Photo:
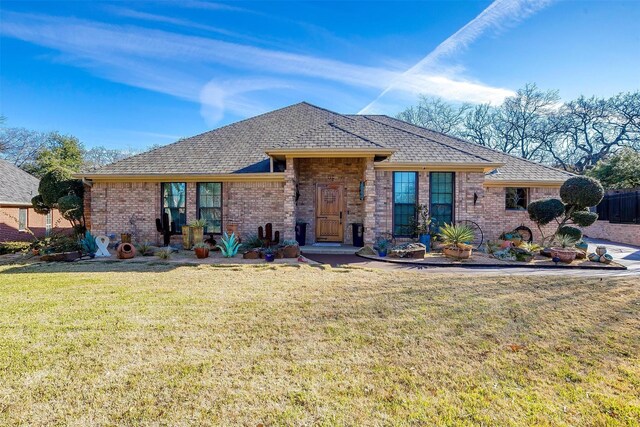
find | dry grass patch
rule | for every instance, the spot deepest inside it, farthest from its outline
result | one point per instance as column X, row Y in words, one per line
column 141, row 344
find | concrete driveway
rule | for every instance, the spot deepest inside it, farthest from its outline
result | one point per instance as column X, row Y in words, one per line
column 627, row 255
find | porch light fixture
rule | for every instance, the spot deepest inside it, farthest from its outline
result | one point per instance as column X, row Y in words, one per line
column 361, row 190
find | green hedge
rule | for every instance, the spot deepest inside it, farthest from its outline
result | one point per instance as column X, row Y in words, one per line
column 13, row 247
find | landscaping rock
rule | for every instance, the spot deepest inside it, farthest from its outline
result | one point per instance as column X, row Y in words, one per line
column 366, row 250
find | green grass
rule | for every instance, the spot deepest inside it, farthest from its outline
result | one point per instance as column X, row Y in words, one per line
column 154, row 344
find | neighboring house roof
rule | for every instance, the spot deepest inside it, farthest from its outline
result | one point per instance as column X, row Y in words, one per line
column 242, row 147
column 18, row 187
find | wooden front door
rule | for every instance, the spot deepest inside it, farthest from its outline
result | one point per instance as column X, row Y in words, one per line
column 329, row 213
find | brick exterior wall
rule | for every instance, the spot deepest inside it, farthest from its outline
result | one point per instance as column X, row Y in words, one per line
column 252, row 204
column 348, row 171
column 35, row 222
column 622, row 233
column 247, row 204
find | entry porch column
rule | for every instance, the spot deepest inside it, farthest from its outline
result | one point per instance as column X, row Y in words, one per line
column 289, row 232
column 369, row 203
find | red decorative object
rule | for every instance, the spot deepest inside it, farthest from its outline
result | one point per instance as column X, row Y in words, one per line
column 201, row 253
column 126, row 251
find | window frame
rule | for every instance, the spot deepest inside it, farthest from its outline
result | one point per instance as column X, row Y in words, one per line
column 162, row 207
column 526, row 198
column 198, row 207
column 48, row 223
column 453, row 195
column 23, row 225
column 393, row 201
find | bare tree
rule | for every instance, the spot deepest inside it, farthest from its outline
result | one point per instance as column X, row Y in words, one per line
column 100, row 156
column 436, row 114
column 21, row 146
column 478, row 126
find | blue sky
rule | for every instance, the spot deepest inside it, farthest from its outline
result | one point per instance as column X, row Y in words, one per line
column 131, row 74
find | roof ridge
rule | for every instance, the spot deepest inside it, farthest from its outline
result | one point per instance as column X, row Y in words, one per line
column 429, row 139
column 478, row 145
column 356, row 135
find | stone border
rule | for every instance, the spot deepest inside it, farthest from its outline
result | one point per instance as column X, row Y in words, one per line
column 496, row 265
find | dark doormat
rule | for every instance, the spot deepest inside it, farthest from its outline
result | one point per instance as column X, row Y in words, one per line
column 336, row 259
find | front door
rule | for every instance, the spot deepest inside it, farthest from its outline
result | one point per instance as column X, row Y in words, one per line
column 329, row 213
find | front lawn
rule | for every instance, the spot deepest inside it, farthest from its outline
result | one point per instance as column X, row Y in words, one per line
column 154, row 344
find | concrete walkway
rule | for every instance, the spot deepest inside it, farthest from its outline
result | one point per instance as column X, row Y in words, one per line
column 626, row 255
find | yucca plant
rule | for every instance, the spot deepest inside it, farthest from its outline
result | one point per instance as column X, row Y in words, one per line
column 229, row 245
column 456, row 236
column 565, row 241
column 88, row 244
column 198, row 223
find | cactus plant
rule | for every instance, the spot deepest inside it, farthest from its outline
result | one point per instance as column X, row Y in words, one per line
column 165, row 227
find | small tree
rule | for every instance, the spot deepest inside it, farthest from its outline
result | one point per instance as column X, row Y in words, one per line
column 577, row 195
column 59, row 190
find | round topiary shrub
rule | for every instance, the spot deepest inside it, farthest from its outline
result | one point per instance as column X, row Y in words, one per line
column 545, row 210
column 584, row 218
column 573, row 232
column 50, row 187
column 70, row 207
column 581, row 191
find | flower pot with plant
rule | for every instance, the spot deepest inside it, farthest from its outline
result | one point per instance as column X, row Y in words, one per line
column 456, row 239
column 382, row 246
column 202, row 250
column 564, row 248
column 269, row 255
column 197, row 230
column 422, row 225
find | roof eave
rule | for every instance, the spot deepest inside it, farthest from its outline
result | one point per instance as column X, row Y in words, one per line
column 220, row 177
column 327, row 153
column 439, row 166
column 547, row 183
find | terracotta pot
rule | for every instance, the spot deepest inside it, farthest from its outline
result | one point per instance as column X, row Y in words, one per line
column 291, row 251
column 125, row 251
column 457, row 252
column 202, row 252
column 566, row 255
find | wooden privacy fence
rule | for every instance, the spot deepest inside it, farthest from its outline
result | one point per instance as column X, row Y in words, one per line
column 620, row 207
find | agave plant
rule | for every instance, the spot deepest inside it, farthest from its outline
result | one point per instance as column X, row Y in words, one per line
column 229, row 245
column 565, row 241
column 458, row 236
column 88, row 243
column 198, row 223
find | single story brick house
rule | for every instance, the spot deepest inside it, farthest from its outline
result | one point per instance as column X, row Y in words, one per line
column 307, row 164
column 17, row 215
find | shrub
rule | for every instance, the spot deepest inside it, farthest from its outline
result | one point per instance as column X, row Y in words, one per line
column 88, row 244
column 163, row 253
column 57, row 243
column 581, row 191
column 584, row 218
column 456, row 235
column 544, row 211
column 573, row 232
column 145, row 249
column 13, row 247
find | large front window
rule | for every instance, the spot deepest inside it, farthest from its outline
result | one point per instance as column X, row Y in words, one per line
column 210, row 205
column 174, row 201
column 404, row 202
column 441, row 187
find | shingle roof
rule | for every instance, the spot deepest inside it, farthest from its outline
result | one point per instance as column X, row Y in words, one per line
column 241, row 147
column 18, row 187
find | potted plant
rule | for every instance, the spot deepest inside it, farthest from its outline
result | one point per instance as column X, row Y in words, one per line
column 202, row 250
column 526, row 252
column 269, row 255
column 456, row 240
column 422, row 226
column 564, row 248
column 290, row 249
column 197, row 230
column 382, row 246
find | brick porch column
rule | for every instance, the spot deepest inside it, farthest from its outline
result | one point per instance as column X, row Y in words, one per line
column 369, row 202
column 289, row 232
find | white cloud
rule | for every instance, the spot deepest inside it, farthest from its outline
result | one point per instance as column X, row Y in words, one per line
column 426, row 76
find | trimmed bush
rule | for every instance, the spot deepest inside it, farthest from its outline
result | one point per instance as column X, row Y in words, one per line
column 584, row 218
column 581, row 191
column 573, row 232
column 13, row 247
column 545, row 210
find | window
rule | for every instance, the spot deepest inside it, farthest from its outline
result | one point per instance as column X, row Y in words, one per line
column 174, row 202
column 22, row 219
column 404, row 202
column 210, row 205
column 48, row 223
column 441, row 188
column 515, row 198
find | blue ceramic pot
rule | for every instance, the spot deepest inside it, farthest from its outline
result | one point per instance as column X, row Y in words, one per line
column 382, row 253
column 269, row 257
column 425, row 239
